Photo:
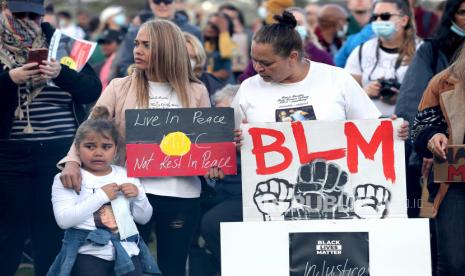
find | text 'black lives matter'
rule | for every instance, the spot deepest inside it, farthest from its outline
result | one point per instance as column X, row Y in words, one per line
column 331, row 253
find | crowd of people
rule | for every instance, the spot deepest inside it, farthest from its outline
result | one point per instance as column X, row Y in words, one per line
column 63, row 184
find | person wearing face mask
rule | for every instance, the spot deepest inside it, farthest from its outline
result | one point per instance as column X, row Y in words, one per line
column 37, row 124
column 379, row 64
column 113, row 18
column 332, row 27
column 198, row 58
column 313, row 50
column 66, row 25
column 432, row 57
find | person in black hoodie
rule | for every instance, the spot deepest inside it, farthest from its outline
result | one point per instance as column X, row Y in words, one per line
column 37, row 126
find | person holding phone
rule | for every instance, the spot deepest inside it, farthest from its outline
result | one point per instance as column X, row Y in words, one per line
column 37, row 125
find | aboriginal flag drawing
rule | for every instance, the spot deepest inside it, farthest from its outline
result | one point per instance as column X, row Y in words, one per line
column 179, row 142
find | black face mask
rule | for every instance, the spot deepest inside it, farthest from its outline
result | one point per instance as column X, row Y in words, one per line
column 210, row 38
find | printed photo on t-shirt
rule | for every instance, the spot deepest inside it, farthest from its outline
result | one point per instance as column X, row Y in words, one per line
column 105, row 219
column 301, row 113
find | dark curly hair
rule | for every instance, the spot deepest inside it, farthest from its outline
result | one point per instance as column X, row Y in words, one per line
column 282, row 35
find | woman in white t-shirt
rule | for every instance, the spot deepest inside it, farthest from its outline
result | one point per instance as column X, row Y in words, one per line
column 288, row 85
column 163, row 78
column 379, row 64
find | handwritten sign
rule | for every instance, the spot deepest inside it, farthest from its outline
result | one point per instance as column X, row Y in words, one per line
column 323, row 170
column 179, row 142
column 453, row 168
column 323, row 253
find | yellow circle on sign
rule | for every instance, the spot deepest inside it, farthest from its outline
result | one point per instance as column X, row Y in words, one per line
column 68, row 61
column 175, row 144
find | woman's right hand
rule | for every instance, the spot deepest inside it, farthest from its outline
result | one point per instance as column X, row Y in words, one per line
column 438, row 145
column 71, row 176
column 25, row 73
column 372, row 89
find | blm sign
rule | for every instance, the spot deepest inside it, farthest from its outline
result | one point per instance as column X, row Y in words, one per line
column 179, row 142
column 338, row 253
column 452, row 169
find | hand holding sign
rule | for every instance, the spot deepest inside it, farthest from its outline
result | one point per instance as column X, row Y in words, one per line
column 438, row 145
column 273, row 197
column 372, row 200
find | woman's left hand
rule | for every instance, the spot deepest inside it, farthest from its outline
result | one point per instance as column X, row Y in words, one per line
column 403, row 131
column 50, row 69
column 214, row 173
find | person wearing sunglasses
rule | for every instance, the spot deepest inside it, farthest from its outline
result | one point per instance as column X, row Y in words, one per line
column 37, row 124
column 379, row 64
column 161, row 9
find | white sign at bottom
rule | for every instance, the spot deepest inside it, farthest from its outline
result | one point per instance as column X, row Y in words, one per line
column 326, row 248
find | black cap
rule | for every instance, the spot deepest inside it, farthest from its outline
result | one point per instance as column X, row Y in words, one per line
column 110, row 36
column 35, row 6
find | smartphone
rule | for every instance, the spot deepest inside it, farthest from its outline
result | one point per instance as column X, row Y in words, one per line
column 37, row 55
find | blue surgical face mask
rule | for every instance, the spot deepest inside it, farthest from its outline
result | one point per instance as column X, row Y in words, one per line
column 302, row 32
column 457, row 30
column 120, row 20
column 384, row 29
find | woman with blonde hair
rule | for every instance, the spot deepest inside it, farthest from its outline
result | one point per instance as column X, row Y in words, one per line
column 162, row 78
column 440, row 122
column 379, row 65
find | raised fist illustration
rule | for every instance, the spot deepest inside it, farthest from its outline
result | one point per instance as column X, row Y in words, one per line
column 273, row 198
column 319, row 192
column 371, row 201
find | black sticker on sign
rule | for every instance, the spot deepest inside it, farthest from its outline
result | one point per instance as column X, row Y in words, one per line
column 334, row 254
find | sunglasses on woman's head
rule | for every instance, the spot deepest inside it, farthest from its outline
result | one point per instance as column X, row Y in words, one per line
column 166, row 2
column 385, row 16
column 23, row 15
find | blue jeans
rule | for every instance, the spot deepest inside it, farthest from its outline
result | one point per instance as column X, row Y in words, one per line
column 450, row 228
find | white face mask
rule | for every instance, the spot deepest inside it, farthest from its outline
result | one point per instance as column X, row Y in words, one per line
column 193, row 63
column 262, row 12
column 342, row 33
column 123, row 217
column 302, row 32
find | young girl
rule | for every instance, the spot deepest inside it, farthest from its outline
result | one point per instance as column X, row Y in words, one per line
column 101, row 237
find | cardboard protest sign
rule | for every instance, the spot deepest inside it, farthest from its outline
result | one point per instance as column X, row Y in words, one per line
column 179, row 142
column 323, row 253
column 323, row 170
column 453, row 168
column 341, row 247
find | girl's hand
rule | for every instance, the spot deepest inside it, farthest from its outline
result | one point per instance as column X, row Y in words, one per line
column 25, row 73
column 438, row 145
column 111, row 190
column 71, row 176
column 50, row 69
column 129, row 190
column 403, row 131
column 372, row 89
column 214, row 174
